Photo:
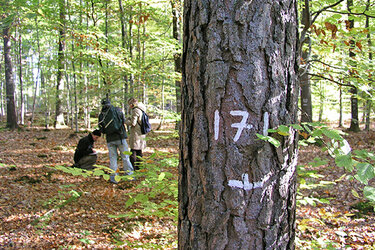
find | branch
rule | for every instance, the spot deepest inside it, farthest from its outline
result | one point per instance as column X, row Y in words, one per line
column 324, row 9
column 326, row 78
column 326, row 64
column 351, row 13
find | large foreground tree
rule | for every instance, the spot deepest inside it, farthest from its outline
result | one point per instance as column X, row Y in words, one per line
column 238, row 79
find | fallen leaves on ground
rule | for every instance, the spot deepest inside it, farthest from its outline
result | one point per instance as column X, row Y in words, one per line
column 43, row 208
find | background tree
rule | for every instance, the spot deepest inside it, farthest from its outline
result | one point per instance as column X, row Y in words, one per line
column 59, row 116
column 239, row 78
column 6, row 24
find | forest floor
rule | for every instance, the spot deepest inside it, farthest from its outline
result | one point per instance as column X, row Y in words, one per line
column 39, row 208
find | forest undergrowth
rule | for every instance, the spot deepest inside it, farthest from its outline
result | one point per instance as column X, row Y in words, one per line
column 42, row 207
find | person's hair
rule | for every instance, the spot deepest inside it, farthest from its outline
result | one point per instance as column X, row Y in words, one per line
column 106, row 102
column 97, row 132
column 132, row 101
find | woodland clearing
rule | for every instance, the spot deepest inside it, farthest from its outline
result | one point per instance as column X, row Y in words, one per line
column 39, row 209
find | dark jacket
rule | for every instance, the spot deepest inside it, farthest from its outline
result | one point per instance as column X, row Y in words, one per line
column 85, row 147
column 120, row 135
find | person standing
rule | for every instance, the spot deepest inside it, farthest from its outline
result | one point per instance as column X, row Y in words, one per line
column 85, row 156
column 111, row 123
column 137, row 141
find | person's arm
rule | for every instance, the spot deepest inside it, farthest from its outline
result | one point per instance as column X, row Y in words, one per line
column 134, row 118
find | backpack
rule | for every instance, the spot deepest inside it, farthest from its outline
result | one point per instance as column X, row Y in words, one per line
column 111, row 122
column 145, row 124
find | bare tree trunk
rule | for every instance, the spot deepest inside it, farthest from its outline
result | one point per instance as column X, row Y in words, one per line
column 22, row 101
column 354, row 122
column 2, row 112
column 321, row 103
column 239, row 78
column 39, row 74
column 124, row 46
column 9, row 82
column 306, row 103
column 369, row 42
column 59, row 116
column 176, row 23
column 341, row 107
column 130, row 47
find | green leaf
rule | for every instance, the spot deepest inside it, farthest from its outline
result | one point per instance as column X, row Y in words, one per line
column 297, row 126
column 333, row 134
column 336, row 16
column 161, row 176
column 117, row 216
column 365, row 172
column 369, row 193
column 283, row 130
column 270, row 139
column 345, row 161
column 355, row 194
column 117, row 178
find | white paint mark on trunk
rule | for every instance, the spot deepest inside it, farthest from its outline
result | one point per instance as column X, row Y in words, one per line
column 216, row 124
column 245, row 184
column 266, row 122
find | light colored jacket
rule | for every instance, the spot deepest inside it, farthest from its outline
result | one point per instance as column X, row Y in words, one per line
column 136, row 139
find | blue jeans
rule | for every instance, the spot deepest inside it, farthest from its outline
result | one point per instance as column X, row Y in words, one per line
column 121, row 145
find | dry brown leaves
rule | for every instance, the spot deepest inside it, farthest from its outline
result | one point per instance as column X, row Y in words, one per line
column 31, row 192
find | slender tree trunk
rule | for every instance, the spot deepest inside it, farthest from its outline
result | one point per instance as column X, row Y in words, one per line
column 144, row 82
column 176, row 23
column 2, row 112
column 59, row 115
column 239, row 78
column 38, row 74
column 369, row 42
column 22, row 101
column 9, row 82
column 321, row 102
column 341, row 107
column 306, row 104
column 354, row 122
column 124, row 47
column 130, row 44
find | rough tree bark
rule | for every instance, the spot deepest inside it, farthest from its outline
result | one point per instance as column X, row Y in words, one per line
column 9, row 81
column 239, row 78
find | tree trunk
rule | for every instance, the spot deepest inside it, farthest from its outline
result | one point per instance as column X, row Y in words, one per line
column 22, row 101
column 2, row 112
column 354, row 122
column 9, row 82
column 369, row 42
column 176, row 5
column 59, row 116
column 130, row 47
column 239, row 78
column 39, row 74
column 321, row 102
column 341, row 107
column 124, row 46
column 306, row 104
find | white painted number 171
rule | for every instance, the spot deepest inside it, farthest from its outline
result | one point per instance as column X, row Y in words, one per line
column 240, row 126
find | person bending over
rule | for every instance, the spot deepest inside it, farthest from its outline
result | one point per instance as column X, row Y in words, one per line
column 85, row 156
